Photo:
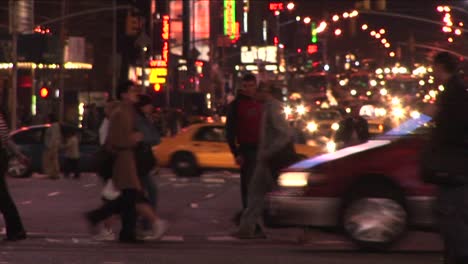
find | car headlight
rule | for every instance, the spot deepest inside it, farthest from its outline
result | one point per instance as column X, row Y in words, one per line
column 293, row 179
column 398, row 112
column 287, row 110
column 331, row 146
column 335, row 126
column 300, row 110
column 312, row 126
column 415, row 114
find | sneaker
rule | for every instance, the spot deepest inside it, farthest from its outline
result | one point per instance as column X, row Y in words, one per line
column 105, row 235
column 159, row 229
column 144, row 233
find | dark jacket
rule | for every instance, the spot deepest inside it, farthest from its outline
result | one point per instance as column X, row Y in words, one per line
column 348, row 126
column 242, row 131
column 451, row 118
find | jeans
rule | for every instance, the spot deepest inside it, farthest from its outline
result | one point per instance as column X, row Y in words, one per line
column 249, row 154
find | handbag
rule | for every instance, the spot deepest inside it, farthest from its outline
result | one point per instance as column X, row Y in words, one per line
column 283, row 158
column 444, row 165
column 109, row 191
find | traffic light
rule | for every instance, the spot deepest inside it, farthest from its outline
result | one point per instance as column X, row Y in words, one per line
column 312, row 48
column 44, row 92
column 313, row 32
column 132, row 24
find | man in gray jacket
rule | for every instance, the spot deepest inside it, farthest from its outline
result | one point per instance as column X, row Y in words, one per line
column 275, row 135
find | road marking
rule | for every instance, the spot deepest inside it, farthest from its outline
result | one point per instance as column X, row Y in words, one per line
column 221, row 238
column 331, row 242
column 210, row 195
column 180, row 185
column 52, row 240
column 173, row 238
column 213, row 185
column 53, row 194
column 89, row 185
column 211, row 180
column 26, row 202
column 194, row 205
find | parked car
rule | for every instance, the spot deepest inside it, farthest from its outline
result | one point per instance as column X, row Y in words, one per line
column 204, row 146
column 30, row 141
column 373, row 191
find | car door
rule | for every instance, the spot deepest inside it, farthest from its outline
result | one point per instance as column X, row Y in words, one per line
column 211, row 148
column 30, row 142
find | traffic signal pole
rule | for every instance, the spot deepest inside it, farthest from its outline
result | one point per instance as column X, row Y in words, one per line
column 14, row 77
column 62, row 65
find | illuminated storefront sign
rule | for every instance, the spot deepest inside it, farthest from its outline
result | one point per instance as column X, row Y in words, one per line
column 253, row 54
column 157, row 72
column 230, row 27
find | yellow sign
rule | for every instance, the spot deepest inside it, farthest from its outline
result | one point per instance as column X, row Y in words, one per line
column 158, row 75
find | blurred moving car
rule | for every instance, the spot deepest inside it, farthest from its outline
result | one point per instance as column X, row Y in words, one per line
column 324, row 122
column 30, row 141
column 204, row 146
column 373, row 191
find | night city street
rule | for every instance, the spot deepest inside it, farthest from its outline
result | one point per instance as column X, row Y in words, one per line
column 276, row 131
column 199, row 211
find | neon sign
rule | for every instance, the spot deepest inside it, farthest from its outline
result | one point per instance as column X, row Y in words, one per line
column 276, row 6
column 230, row 28
column 165, row 37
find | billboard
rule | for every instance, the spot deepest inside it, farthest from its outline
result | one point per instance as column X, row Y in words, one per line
column 253, row 54
column 199, row 27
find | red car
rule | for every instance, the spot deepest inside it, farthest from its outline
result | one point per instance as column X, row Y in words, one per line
column 373, row 191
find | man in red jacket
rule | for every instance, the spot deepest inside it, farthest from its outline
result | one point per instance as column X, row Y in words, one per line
column 243, row 121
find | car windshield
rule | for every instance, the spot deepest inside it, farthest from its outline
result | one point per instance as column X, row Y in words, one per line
column 411, row 126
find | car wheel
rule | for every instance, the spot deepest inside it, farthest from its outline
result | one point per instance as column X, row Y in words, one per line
column 185, row 165
column 18, row 169
column 374, row 216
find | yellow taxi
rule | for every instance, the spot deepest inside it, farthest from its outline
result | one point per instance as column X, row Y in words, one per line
column 204, row 146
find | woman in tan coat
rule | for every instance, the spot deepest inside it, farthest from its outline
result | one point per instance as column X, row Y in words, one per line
column 122, row 140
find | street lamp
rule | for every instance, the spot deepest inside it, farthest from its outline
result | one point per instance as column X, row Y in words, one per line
column 290, row 6
column 307, row 20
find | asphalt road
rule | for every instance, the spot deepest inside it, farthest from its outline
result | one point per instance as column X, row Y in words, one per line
column 199, row 211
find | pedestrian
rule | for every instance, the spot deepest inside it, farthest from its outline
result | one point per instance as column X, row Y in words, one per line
column 276, row 146
column 145, row 160
column 72, row 155
column 122, row 140
column 445, row 159
column 14, row 226
column 52, row 143
column 353, row 130
column 243, row 120
column 109, row 192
